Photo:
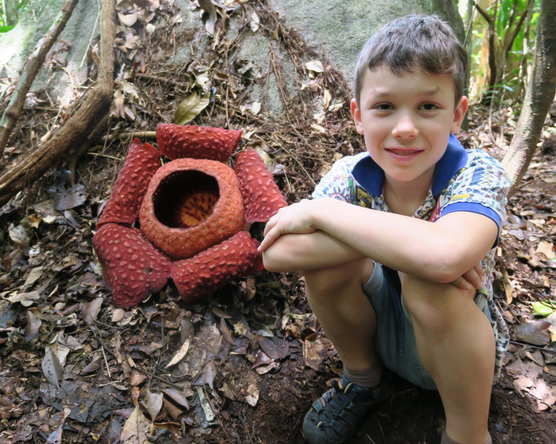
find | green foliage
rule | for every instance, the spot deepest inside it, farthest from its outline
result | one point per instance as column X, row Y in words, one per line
column 21, row 6
column 514, row 24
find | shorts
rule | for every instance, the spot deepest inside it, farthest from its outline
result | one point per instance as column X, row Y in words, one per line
column 394, row 336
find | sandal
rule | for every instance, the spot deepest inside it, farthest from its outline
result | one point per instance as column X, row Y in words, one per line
column 334, row 417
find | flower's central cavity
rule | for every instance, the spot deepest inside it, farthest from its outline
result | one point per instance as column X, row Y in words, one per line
column 185, row 198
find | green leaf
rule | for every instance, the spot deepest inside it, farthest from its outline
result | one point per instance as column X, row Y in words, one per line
column 190, row 108
column 542, row 309
column 4, row 29
column 503, row 18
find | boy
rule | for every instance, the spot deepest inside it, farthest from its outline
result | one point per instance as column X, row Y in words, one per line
column 396, row 244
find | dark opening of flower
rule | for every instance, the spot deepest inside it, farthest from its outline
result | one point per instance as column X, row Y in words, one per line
column 185, row 198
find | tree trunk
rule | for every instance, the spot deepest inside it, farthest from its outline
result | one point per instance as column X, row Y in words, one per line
column 78, row 126
column 10, row 12
column 538, row 99
column 32, row 67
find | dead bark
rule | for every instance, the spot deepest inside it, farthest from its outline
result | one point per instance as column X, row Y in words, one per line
column 78, row 126
column 30, row 71
column 538, row 98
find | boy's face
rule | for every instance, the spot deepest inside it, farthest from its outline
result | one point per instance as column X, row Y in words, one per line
column 406, row 121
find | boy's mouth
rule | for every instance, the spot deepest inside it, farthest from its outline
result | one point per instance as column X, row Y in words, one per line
column 403, row 152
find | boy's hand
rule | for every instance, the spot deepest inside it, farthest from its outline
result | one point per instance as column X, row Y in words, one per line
column 471, row 279
column 295, row 219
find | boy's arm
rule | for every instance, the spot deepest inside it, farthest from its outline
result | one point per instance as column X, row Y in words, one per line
column 441, row 251
column 309, row 251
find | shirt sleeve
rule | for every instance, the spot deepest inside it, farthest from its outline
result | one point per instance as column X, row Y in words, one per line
column 335, row 183
column 480, row 187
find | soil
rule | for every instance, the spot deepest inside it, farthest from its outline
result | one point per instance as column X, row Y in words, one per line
column 77, row 369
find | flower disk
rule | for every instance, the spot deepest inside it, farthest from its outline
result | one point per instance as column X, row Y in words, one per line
column 191, row 205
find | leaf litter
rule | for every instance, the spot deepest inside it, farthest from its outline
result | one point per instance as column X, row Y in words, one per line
column 226, row 369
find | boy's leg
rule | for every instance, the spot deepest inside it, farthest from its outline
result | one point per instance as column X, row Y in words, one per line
column 344, row 311
column 455, row 342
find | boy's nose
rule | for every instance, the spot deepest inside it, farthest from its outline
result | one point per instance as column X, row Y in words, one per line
column 405, row 127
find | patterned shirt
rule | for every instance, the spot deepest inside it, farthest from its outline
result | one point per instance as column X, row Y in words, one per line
column 464, row 180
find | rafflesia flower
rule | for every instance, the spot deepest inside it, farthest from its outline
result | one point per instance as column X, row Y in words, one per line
column 193, row 214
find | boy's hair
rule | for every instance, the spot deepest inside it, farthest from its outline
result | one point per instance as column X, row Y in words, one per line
column 414, row 42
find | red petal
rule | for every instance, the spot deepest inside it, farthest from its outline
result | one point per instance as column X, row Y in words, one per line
column 210, row 270
column 141, row 163
column 198, row 142
column 261, row 196
column 131, row 266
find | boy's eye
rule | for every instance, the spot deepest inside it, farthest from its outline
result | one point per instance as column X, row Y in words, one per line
column 383, row 106
column 429, row 107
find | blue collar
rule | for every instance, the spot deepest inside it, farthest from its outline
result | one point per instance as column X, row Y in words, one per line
column 371, row 177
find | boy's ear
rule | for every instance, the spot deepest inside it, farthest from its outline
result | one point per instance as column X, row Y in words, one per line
column 459, row 114
column 356, row 114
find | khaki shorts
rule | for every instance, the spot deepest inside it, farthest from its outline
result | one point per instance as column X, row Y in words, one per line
column 394, row 337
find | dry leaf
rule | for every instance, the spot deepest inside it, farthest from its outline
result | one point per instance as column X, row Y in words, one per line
column 117, row 315
column 209, row 372
column 136, row 378
column 33, row 276
column 205, row 404
column 313, row 353
column 18, row 235
column 252, row 396
column 176, row 397
column 318, row 128
column 315, row 66
column 93, row 309
column 255, row 22
column 180, row 354
column 33, row 326
column 210, row 10
column 154, row 403
column 547, row 249
column 129, row 18
column 326, row 99
column 136, row 428
column 52, row 368
column 190, row 108
column 25, row 299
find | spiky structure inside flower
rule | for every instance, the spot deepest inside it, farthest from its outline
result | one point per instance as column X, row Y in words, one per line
column 213, row 268
column 190, row 205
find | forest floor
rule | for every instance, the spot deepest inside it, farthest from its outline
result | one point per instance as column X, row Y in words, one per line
column 75, row 368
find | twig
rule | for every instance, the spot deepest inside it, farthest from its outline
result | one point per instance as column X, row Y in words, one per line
column 533, row 346
column 159, row 378
column 145, row 134
column 106, row 156
column 32, row 67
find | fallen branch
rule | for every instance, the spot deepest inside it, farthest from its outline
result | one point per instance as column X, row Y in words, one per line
column 78, row 126
column 30, row 71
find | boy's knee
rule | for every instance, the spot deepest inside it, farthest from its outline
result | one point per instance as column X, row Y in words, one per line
column 338, row 278
column 434, row 305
